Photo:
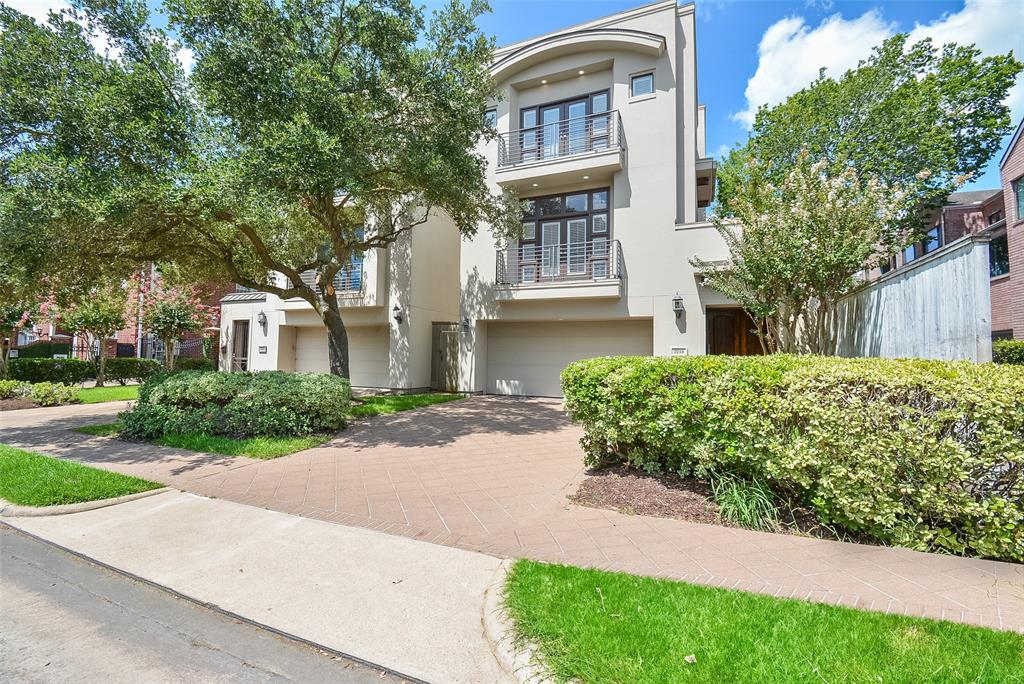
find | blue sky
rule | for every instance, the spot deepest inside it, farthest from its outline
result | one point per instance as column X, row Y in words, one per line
column 752, row 52
column 780, row 44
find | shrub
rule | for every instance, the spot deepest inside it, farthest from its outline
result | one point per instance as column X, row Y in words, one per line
column 1008, row 351
column 13, row 389
column 927, row 454
column 186, row 363
column 124, row 369
column 52, row 394
column 748, row 503
column 64, row 371
column 43, row 350
column 270, row 403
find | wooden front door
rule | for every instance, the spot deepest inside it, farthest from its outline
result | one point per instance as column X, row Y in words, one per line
column 731, row 331
column 444, row 359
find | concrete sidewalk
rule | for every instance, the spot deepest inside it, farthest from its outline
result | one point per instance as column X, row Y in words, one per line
column 406, row 605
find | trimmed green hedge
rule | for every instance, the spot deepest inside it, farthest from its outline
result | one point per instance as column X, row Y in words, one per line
column 270, row 403
column 64, row 371
column 1008, row 351
column 186, row 363
column 43, row 350
column 122, row 369
column 925, row 454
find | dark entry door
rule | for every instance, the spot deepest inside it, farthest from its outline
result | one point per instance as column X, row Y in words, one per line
column 240, row 346
column 444, row 361
column 731, row 331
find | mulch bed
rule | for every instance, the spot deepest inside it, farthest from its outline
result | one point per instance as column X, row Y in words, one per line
column 15, row 404
column 633, row 492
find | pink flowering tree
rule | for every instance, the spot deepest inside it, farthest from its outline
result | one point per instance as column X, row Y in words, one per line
column 170, row 313
column 97, row 314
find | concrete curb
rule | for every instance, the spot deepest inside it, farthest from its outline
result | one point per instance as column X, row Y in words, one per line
column 9, row 510
column 518, row 658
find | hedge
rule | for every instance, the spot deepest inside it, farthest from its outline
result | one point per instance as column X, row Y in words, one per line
column 925, row 454
column 64, row 371
column 184, row 363
column 1008, row 351
column 43, row 350
column 123, row 369
column 271, row 403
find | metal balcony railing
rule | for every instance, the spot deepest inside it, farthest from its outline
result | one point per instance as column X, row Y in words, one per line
column 346, row 281
column 599, row 259
column 561, row 139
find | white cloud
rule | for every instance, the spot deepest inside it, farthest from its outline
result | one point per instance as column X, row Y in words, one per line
column 722, row 152
column 791, row 52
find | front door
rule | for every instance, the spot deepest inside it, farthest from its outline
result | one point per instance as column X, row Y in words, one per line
column 731, row 331
column 444, row 365
column 240, row 346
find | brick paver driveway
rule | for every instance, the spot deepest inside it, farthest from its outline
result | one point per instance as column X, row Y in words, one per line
column 492, row 474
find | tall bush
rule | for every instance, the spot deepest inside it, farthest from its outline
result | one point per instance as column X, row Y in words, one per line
column 64, row 371
column 1008, row 351
column 926, row 454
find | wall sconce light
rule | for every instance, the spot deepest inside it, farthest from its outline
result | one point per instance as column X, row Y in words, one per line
column 396, row 313
column 261, row 318
column 465, row 325
column 677, row 305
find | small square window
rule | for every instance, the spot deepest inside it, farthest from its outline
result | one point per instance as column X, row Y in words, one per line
column 529, row 208
column 600, row 200
column 528, row 274
column 641, row 84
column 491, row 118
column 998, row 256
column 550, row 206
column 529, row 230
column 576, row 203
column 909, row 254
column 600, row 222
column 932, row 240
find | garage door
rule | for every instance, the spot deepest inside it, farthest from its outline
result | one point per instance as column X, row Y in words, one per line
column 527, row 358
column 367, row 353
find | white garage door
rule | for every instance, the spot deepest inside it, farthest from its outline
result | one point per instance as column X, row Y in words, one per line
column 527, row 358
column 367, row 353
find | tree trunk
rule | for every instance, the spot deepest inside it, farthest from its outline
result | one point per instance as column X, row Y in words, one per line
column 337, row 338
column 169, row 354
column 101, row 363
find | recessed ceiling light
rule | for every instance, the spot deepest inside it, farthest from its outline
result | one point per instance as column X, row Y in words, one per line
column 534, row 185
column 586, row 178
column 543, row 81
column 582, row 72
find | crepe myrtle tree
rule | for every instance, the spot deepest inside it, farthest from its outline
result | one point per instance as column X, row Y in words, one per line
column 795, row 248
column 97, row 313
column 304, row 133
column 170, row 312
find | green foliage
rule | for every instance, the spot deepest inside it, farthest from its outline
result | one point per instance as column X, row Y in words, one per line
column 65, row 371
column 270, row 403
column 98, row 395
column 13, row 389
column 191, row 363
column 1008, row 351
column 903, row 111
column 393, row 403
column 925, row 454
column 30, row 479
column 43, row 350
column 97, row 312
column 53, row 394
column 748, row 503
column 125, row 369
column 360, row 124
column 608, row 628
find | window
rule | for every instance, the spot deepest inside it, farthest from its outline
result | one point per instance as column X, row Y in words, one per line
column 909, row 254
column 998, row 256
column 1002, row 335
column 932, row 240
column 995, row 217
column 558, row 129
column 641, row 84
column 564, row 237
column 1018, row 196
column 887, row 265
column 491, row 118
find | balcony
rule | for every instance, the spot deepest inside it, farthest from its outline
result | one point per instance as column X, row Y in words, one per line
column 347, row 281
column 583, row 269
column 561, row 151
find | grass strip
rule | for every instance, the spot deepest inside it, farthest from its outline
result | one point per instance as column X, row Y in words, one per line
column 393, row 403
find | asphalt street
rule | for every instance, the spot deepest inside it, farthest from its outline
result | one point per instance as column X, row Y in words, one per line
column 64, row 619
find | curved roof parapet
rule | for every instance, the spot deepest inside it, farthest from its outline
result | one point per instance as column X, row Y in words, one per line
column 577, row 41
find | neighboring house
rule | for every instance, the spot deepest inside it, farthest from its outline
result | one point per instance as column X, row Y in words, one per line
column 600, row 131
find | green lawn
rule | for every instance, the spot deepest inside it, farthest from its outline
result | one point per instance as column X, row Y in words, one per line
column 30, row 479
column 608, row 627
column 96, row 395
column 253, row 447
column 393, row 403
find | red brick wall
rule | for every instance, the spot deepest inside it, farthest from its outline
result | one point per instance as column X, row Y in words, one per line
column 1013, row 168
